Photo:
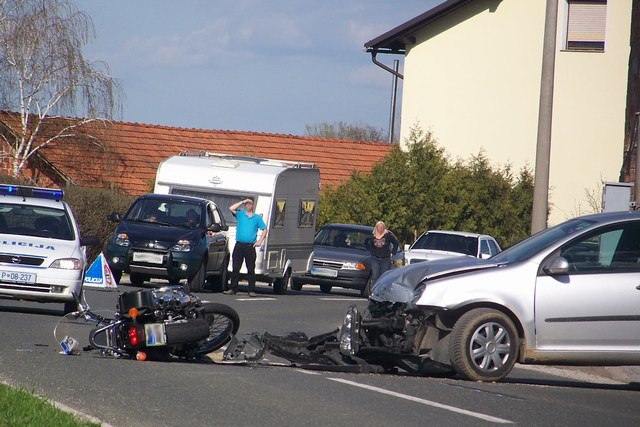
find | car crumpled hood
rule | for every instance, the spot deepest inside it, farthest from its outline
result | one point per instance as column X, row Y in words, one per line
column 398, row 285
column 143, row 232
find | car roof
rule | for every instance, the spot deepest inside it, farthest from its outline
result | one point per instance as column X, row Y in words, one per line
column 33, row 201
column 174, row 197
column 357, row 227
column 611, row 216
column 457, row 233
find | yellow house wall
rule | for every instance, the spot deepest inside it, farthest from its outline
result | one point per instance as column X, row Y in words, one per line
column 473, row 79
column 590, row 93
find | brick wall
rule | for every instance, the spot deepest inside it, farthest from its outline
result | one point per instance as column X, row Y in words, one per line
column 38, row 173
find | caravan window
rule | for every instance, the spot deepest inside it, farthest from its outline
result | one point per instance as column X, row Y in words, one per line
column 278, row 216
column 307, row 213
column 222, row 200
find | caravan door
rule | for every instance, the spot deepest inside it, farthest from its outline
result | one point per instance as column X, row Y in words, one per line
column 216, row 242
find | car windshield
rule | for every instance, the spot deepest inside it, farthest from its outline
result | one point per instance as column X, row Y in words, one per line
column 166, row 212
column 340, row 237
column 447, row 242
column 35, row 221
column 536, row 243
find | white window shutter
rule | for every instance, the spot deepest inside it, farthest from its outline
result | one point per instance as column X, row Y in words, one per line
column 587, row 21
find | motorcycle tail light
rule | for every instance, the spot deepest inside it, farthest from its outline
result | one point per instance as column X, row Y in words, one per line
column 133, row 335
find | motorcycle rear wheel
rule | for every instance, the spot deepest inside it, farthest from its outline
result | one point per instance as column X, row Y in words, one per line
column 223, row 322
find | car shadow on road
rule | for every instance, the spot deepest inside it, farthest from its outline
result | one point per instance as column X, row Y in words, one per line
column 633, row 386
column 32, row 310
column 264, row 291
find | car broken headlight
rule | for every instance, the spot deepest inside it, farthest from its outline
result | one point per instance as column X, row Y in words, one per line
column 417, row 292
column 350, row 332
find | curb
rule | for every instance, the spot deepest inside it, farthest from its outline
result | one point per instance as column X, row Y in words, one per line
column 83, row 416
column 615, row 375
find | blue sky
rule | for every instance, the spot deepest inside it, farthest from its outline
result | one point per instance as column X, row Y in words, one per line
column 255, row 65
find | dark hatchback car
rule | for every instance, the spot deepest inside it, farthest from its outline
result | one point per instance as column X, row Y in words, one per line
column 170, row 237
column 341, row 258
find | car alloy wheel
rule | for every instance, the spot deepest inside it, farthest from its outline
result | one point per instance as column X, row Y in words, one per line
column 483, row 345
column 490, row 347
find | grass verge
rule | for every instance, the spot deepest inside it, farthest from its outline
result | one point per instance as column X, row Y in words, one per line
column 18, row 407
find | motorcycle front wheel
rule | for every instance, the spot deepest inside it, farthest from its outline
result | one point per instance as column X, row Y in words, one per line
column 223, row 324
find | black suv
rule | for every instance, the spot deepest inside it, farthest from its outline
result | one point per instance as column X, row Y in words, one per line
column 170, row 237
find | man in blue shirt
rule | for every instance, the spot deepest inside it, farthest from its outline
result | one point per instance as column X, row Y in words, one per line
column 248, row 224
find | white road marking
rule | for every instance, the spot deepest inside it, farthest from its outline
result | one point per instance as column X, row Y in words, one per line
column 425, row 402
column 302, row 371
column 255, row 299
column 340, row 299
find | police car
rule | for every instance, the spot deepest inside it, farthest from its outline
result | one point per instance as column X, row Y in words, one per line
column 41, row 253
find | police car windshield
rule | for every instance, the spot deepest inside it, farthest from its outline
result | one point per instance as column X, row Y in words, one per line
column 35, row 221
column 162, row 212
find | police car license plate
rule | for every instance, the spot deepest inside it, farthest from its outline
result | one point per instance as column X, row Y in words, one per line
column 15, row 277
column 155, row 334
column 327, row 272
column 147, row 257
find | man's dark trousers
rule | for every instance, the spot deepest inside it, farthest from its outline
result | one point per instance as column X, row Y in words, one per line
column 247, row 253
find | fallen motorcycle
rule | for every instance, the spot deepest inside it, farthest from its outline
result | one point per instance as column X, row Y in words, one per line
column 157, row 324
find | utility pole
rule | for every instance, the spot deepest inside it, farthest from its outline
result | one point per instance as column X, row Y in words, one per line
column 394, row 97
column 545, row 116
column 636, row 184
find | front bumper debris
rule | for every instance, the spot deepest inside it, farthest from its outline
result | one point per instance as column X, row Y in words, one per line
column 383, row 338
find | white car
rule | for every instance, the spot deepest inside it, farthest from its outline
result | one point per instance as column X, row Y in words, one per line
column 439, row 244
column 41, row 253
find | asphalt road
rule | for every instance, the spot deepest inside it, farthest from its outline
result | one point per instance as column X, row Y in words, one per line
column 125, row 392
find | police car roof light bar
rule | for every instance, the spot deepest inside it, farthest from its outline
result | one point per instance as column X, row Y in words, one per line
column 22, row 191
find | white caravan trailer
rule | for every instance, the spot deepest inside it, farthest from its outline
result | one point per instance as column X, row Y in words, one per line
column 285, row 194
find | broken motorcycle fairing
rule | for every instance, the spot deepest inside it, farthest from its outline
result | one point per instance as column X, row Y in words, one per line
column 393, row 332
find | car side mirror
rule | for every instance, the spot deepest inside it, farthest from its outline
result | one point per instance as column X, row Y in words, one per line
column 406, row 247
column 215, row 228
column 485, row 256
column 557, row 266
column 114, row 217
column 90, row 241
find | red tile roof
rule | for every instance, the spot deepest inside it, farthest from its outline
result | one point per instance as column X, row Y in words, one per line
column 131, row 152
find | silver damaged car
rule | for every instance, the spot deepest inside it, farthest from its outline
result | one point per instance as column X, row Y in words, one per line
column 567, row 295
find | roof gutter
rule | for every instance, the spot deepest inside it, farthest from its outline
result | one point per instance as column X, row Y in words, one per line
column 374, row 52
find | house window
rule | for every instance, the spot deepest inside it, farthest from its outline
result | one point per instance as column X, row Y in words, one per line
column 307, row 213
column 586, row 24
column 278, row 218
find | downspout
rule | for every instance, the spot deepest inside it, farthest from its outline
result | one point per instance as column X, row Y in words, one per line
column 374, row 52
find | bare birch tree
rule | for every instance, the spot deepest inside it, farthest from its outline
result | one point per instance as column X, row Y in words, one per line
column 43, row 73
